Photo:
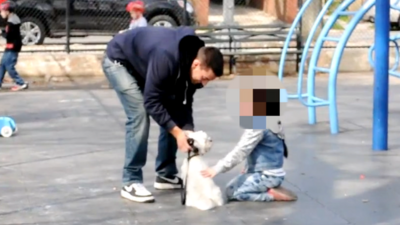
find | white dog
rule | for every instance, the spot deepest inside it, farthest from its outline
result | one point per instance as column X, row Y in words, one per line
column 201, row 192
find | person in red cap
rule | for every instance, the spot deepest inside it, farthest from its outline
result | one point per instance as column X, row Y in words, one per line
column 12, row 34
column 136, row 10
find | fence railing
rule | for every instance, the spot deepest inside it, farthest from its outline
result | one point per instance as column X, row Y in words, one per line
column 87, row 25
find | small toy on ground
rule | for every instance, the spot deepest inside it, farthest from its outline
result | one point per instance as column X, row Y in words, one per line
column 7, row 127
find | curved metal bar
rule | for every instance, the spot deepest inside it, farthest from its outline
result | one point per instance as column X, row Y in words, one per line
column 337, row 56
column 393, row 70
column 312, row 118
column 288, row 40
column 307, row 46
column 395, row 5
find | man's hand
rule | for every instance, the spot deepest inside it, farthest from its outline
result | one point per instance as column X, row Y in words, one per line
column 181, row 139
column 182, row 142
column 187, row 132
column 209, row 172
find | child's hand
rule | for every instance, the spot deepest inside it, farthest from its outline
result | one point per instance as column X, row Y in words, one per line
column 244, row 170
column 209, row 172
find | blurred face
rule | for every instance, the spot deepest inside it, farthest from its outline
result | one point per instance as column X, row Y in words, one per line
column 4, row 14
column 201, row 74
column 135, row 15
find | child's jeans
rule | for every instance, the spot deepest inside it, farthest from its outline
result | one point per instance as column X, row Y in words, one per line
column 8, row 62
column 252, row 187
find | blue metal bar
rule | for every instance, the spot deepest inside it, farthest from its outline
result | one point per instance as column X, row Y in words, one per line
column 306, row 49
column 286, row 45
column 336, row 59
column 312, row 114
column 393, row 70
column 381, row 77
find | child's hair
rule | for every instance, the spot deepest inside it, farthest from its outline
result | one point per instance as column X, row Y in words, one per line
column 137, row 6
column 7, row 6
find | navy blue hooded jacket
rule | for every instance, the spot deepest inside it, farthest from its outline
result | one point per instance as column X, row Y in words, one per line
column 160, row 59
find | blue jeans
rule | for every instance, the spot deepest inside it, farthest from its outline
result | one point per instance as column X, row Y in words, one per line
column 137, row 127
column 8, row 62
column 252, row 187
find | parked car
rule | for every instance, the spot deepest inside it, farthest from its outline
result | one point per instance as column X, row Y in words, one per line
column 47, row 18
column 394, row 14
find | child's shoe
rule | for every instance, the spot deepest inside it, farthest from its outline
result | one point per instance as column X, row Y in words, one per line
column 17, row 87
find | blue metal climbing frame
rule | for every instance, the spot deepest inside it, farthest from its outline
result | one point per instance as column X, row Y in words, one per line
column 309, row 99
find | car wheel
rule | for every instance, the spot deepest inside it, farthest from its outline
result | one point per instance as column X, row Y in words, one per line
column 33, row 31
column 163, row 21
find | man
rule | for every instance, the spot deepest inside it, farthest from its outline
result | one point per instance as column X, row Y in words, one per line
column 156, row 71
column 13, row 38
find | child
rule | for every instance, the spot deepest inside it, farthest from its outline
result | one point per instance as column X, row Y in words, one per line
column 136, row 10
column 13, row 38
column 264, row 174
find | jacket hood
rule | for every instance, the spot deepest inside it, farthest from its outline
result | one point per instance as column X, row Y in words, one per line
column 189, row 45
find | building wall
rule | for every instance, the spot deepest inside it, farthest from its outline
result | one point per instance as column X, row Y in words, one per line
column 201, row 8
column 284, row 10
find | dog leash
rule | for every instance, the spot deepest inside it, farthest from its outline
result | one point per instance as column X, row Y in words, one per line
column 189, row 156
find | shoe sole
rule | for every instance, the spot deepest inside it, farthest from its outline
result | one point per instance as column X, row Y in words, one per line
column 144, row 199
column 166, row 186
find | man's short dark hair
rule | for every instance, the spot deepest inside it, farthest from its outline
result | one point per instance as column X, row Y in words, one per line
column 212, row 58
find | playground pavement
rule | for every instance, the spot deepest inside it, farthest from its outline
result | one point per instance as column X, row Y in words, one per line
column 64, row 167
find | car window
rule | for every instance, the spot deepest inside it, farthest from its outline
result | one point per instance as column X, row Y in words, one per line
column 84, row 4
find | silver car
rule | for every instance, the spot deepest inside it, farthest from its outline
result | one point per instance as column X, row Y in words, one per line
column 394, row 14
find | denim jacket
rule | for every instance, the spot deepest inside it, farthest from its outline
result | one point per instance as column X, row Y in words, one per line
column 267, row 155
column 263, row 149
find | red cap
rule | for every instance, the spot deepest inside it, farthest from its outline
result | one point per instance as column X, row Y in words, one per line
column 5, row 6
column 135, row 6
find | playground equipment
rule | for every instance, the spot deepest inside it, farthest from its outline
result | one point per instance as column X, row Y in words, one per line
column 308, row 98
column 7, row 127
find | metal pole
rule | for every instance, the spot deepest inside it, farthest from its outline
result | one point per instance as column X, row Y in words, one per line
column 228, row 12
column 185, row 18
column 381, row 76
column 299, row 38
column 67, row 26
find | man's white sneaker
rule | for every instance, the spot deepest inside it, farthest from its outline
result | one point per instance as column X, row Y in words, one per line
column 137, row 192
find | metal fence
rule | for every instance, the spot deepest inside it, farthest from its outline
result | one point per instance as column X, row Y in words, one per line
column 87, row 25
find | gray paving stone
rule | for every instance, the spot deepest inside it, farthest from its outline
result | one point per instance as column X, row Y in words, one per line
column 64, row 167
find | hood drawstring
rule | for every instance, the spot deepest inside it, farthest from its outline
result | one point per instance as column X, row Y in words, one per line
column 186, row 87
column 184, row 99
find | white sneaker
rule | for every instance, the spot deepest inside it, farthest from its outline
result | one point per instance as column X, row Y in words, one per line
column 137, row 192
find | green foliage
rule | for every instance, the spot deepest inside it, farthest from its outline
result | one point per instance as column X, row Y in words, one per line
column 344, row 19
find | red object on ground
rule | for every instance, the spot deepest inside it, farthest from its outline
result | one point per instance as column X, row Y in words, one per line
column 137, row 6
column 362, row 176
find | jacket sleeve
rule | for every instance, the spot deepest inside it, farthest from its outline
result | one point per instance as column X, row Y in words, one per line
column 159, row 73
column 11, row 35
column 3, row 33
column 247, row 143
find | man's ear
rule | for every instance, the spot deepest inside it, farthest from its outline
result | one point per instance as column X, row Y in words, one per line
column 196, row 63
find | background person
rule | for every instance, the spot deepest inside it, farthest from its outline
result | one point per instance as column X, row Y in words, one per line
column 12, row 34
column 136, row 10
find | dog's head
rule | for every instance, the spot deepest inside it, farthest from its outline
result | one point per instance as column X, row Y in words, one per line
column 200, row 142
